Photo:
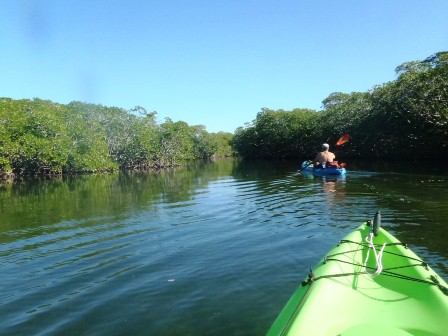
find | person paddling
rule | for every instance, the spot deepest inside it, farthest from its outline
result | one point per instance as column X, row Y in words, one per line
column 324, row 156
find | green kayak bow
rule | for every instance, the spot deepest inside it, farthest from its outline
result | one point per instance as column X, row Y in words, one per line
column 369, row 284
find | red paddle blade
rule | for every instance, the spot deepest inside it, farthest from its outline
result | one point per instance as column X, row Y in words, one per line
column 343, row 139
column 342, row 165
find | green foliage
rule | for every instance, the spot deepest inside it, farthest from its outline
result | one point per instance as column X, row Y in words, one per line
column 42, row 137
column 406, row 118
column 276, row 134
column 220, row 144
column 33, row 136
column 176, row 143
column 403, row 119
column 89, row 151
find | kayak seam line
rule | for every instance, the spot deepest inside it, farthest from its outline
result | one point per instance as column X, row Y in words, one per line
column 296, row 310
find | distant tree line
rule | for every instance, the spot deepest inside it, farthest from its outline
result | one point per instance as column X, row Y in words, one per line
column 403, row 119
column 42, row 137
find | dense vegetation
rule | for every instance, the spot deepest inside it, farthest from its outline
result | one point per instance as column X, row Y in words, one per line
column 403, row 119
column 42, row 137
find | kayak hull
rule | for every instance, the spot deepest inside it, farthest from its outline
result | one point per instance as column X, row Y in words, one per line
column 309, row 169
column 345, row 300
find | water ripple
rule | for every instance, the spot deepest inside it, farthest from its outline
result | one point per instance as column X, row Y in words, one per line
column 178, row 263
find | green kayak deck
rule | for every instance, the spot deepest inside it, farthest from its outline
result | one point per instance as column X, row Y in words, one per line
column 342, row 295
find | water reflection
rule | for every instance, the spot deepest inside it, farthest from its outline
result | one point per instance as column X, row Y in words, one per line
column 36, row 202
column 401, row 167
column 330, row 184
column 334, row 185
column 170, row 252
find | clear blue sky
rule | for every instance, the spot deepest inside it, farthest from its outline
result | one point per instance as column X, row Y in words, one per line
column 211, row 62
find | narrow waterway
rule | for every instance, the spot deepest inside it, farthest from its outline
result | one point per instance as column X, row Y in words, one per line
column 211, row 249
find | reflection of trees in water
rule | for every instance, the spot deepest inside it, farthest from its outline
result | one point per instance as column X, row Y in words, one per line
column 255, row 169
column 36, row 202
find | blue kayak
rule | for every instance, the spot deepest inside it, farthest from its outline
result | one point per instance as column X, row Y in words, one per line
column 307, row 167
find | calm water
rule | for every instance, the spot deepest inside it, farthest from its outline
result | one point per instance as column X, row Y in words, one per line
column 213, row 249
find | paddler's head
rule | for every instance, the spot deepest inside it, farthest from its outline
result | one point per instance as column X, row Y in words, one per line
column 325, row 147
